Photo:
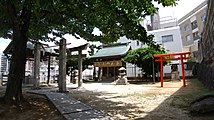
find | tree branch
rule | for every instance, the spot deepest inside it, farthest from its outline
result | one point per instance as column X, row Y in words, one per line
column 25, row 15
column 12, row 15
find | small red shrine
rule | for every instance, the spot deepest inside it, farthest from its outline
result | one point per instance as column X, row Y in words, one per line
column 173, row 56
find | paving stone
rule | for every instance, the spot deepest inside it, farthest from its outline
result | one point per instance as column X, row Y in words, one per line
column 71, row 108
column 65, row 108
column 87, row 115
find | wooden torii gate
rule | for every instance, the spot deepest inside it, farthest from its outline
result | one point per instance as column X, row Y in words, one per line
column 62, row 63
column 173, row 56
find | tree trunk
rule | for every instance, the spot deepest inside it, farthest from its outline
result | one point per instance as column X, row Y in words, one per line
column 17, row 69
column 20, row 25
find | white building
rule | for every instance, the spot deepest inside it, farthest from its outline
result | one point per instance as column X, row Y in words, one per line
column 166, row 33
column 170, row 39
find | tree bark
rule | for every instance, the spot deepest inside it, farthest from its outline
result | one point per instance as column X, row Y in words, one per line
column 17, row 69
column 20, row 25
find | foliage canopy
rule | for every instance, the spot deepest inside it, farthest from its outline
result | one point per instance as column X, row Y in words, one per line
column 114, row 18
column 22, row 20
column 143, row 57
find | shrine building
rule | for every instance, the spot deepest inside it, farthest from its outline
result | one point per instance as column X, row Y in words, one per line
column 109, row 60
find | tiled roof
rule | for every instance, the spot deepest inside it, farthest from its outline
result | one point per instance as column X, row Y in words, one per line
column 114, row 50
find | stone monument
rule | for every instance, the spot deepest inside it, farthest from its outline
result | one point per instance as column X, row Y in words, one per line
column 174, row 72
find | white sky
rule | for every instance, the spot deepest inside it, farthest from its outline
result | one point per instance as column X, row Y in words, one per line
column 3, row 44
column 181, row 9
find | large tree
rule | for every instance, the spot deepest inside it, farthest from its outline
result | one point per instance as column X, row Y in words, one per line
column 22, row 20
column 143, row 58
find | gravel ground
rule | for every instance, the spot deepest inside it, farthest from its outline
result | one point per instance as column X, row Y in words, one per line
column 135, row 101
column 142, row 101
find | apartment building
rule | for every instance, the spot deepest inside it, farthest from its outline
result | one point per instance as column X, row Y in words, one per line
column 191, row 27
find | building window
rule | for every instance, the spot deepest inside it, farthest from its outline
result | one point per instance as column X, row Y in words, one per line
column 203, row 18
column 188, row 37
column 186, row 27
column 194, row 24
column 167, row 38
column 196, row 36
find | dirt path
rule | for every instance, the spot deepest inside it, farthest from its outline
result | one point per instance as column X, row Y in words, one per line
column 137, row 101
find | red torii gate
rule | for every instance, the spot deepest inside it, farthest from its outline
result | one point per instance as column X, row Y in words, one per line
column 173, row 56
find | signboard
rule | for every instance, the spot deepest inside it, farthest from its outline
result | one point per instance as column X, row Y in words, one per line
column 108, row 63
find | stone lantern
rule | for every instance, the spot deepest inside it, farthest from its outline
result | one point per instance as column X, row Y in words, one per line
column 74, row 76
column 122, row 78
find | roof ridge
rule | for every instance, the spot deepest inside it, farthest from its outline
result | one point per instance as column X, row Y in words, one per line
column 116, row 44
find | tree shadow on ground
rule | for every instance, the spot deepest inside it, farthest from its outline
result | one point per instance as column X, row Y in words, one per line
column 174, row 107
column 34, row 107
column 105, row 104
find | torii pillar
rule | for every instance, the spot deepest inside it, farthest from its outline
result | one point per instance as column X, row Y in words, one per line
column 80, row 68
column 80, row 56
column 36, row 64
column 62, row 66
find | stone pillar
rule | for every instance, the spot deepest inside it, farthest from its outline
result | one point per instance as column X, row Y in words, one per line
column 80, row 68
column 36, row 64
column 62, row 66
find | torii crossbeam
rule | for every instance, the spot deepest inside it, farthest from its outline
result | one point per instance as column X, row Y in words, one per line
column 173, row 56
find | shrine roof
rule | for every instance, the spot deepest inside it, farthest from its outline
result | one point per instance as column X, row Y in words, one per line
column 119, row 49
column 30, row 47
